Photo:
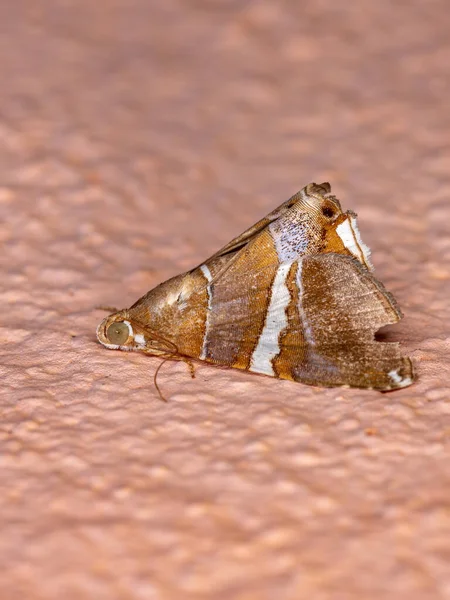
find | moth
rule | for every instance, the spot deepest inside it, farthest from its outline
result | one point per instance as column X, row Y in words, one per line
column 293, row 297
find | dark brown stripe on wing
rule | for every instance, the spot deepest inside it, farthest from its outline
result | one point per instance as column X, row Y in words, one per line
column 239, row 304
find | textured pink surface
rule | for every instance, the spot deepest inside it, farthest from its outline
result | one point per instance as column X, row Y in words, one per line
column 136, row 140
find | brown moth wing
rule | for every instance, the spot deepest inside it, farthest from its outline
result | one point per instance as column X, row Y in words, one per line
column 300, row 226
column 303, row 211
column 340, row 308
column 318, row 327
column 217, row 319
column 237, row 303
column 250, row 233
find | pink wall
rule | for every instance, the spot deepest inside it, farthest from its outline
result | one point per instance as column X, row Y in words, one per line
column 136, row 138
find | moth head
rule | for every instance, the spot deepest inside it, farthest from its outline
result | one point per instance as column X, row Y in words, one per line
column 339, row 229
column 120, row 332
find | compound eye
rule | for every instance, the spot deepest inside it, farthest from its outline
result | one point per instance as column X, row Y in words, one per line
column 118, row 333
column 328, row 211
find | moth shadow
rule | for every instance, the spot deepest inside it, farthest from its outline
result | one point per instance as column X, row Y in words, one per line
column 387, row 334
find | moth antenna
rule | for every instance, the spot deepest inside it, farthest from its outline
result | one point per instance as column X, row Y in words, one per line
column 110, row 309
column 158, row 389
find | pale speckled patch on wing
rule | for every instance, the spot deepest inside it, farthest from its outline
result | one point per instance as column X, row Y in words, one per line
column 291, row 236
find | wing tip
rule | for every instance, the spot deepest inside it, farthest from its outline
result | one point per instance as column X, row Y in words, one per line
column 401, row 377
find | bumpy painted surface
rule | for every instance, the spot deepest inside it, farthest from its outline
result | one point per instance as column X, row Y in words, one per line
column 137, row 140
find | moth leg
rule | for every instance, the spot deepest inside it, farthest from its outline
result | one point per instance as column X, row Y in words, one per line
column 190, row 366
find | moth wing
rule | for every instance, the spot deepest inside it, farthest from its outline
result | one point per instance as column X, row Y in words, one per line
column 312, row 320
column 249, row 234
column 323, row 190
column 237, row 301
column 341, row 306
column 292, row 229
